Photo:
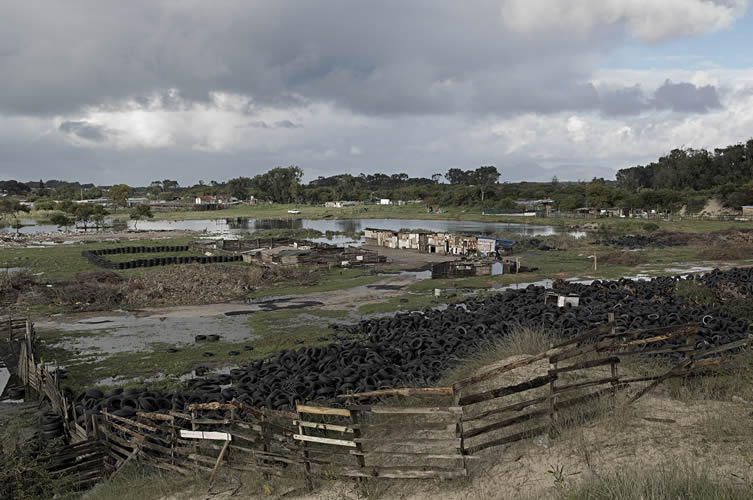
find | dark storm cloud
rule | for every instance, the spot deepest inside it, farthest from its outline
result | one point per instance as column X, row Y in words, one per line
column 84, row 130
column 376, row 58
column 680, row 97
column 686, row 97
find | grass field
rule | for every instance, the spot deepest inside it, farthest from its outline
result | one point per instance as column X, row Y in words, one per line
column 65, row 261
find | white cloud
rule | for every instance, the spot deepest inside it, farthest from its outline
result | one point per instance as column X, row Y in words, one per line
column 647, row 20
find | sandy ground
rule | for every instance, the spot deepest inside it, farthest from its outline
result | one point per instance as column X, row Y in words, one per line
column 656, row 432
column 401, row 259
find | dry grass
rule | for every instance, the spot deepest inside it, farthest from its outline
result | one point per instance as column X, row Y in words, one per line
column 522, row 340
column 721, row 250
column 682, row 481
column 622, row 258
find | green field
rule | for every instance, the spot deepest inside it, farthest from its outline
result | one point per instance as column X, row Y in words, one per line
column 62, row 262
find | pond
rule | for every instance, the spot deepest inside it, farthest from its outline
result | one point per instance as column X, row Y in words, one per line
column 243, row 225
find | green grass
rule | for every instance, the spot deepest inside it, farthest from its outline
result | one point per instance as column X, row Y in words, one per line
column 331, row 280
column 65, row 261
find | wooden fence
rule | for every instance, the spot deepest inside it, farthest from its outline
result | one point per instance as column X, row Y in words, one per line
column 15, row 328
column 497, row 405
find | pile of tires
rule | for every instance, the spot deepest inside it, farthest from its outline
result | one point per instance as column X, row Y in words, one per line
column 417, row 348
column 50, row 427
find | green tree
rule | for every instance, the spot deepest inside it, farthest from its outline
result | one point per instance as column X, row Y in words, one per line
column 44, row 204
column 485, row 177
column 142, row 211
column 239, row 187
column 93, row 193
column 61, row 220
column 280, row 185
column 119, row 194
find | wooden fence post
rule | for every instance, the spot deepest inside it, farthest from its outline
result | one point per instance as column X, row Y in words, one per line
column 356, row 421
column 459, row 428
column 306, row 463
column 613, row 366
column 552, row 396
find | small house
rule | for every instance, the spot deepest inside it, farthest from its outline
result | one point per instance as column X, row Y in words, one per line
column 381, row 237
column 748, row 211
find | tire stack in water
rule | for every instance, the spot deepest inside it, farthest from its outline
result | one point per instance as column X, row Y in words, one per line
column 416, row 348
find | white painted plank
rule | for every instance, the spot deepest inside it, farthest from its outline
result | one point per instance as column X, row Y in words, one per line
column 219, row 436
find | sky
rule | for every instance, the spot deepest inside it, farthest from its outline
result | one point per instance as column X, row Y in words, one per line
column 111, row 92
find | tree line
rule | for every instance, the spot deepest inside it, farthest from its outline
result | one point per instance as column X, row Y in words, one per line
column 682, row 178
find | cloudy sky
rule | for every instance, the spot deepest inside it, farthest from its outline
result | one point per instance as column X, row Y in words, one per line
column 134, row 91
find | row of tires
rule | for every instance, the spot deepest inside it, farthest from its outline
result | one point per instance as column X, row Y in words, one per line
column 141, row 249
column 417, row 348
column 159, row 261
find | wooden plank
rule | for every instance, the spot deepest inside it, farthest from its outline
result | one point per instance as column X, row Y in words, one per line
column 210, row 421
column 653, row 340
column 407, row 454
column 315, row 439
column 590, row 383
column 454, row 442
column 119, row 427
column 399, row 410
column 722, row 348
column 211, row 406
column 218, row 436
column 321, row 410
column 120, row 467
column 514, row 407
column 469, row 433
column 586, row 364
column 405, row 391
column 599, row 330
column 265, row 455
column 706, row 362
column 651, row 331
column 150, row 428
column 219, row 461
column 509, row 439
column 506, row 391
column 502, row 369
column 686, row 363
column 660, row 350
column 324, row 427
column 156, row 416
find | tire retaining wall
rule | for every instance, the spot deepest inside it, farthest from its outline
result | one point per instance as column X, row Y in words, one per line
column 96, row 257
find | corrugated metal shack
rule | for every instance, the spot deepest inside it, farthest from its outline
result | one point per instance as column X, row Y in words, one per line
column 380, row 237
column 314, row 256
column 439, row 243
column 464, row 269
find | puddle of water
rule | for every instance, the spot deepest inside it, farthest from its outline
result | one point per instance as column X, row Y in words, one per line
column 692, row 269
column 130, row 333
column 419, row 275
column 120, row 380
column 11, row 270
column 244, row 225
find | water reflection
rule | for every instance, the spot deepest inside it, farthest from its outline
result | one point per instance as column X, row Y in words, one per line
column 244, row 225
